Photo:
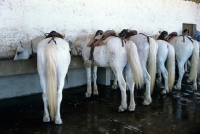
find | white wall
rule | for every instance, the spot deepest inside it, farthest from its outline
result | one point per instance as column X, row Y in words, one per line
column 26, row 19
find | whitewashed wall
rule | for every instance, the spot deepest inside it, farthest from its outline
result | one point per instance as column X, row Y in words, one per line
column 26, row 19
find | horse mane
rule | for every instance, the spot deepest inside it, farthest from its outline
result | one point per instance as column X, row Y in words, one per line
column 83, row 37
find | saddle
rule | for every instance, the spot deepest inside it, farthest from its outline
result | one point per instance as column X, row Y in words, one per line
column 123, row 33
column 130, row 33
column 126, row 34
column 100, row 38
column 105, row 37
column 96, row 37
column 53, row 34
column 162, row 35
column 171, row 35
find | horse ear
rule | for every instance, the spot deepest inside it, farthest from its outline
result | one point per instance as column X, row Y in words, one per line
column 21, row 43
column 70, row 43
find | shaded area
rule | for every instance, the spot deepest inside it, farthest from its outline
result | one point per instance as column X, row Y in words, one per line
column 175, row 113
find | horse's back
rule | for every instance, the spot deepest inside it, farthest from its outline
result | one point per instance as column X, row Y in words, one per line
column 113, row 52
column 62, row 55
column 183, row 47
column 142, row 44
column 115, row 43
column 162, row 50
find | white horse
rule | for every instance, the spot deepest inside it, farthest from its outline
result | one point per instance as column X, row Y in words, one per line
column 166, row 53
column 24, row 50
column 147, row 50
column 198, row 73
column 184, row 48
column 53, row 59
column 114, row 55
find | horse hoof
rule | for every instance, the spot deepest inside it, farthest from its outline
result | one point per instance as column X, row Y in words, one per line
column 46, row 119
column 164, row 91
column 158, row 81
column 122, row 109
column 58, row 121
column 147, row 102
column 177, row 88
column 96, row 93
column 114, row 86
column 131, row 108
column 194, row 88
column 87, row 95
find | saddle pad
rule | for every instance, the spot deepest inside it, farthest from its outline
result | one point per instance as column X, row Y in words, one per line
column 170, row 39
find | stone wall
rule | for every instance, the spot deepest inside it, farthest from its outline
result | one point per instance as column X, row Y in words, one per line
column 25, row 19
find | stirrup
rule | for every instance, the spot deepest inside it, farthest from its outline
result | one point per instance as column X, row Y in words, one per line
column 88, row 63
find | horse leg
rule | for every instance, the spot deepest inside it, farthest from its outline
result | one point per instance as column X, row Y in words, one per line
column 181, row 72
column 147, row 94
column 46, row 117
column 159, row 80
column 186, row 66
column 130, row 84
column 115, row 86
column 165, row 76
column 122, row 86
column 61, row 81
column 95, row 92
column 89, row 88
column 194, row 85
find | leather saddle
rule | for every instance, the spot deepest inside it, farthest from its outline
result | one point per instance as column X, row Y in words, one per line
column 101, row 38
column 171, row 35
column 126, row 34
column 105, row 37
column 53, row 34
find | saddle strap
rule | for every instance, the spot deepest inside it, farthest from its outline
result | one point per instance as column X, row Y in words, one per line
column 146, row 36
column 53, row 34
column 189, row 38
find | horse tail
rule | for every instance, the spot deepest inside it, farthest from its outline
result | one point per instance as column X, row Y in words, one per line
column 194, row 61
column 51, row 78
column 152, row 61
column 171, row 66
column 134, row 61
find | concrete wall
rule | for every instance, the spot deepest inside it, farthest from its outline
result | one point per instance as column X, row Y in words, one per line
column 26, row 19
column 18, row 78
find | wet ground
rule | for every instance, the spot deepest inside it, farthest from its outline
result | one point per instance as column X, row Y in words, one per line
column 175, row 113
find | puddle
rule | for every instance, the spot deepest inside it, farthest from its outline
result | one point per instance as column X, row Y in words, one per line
column 186, row 94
